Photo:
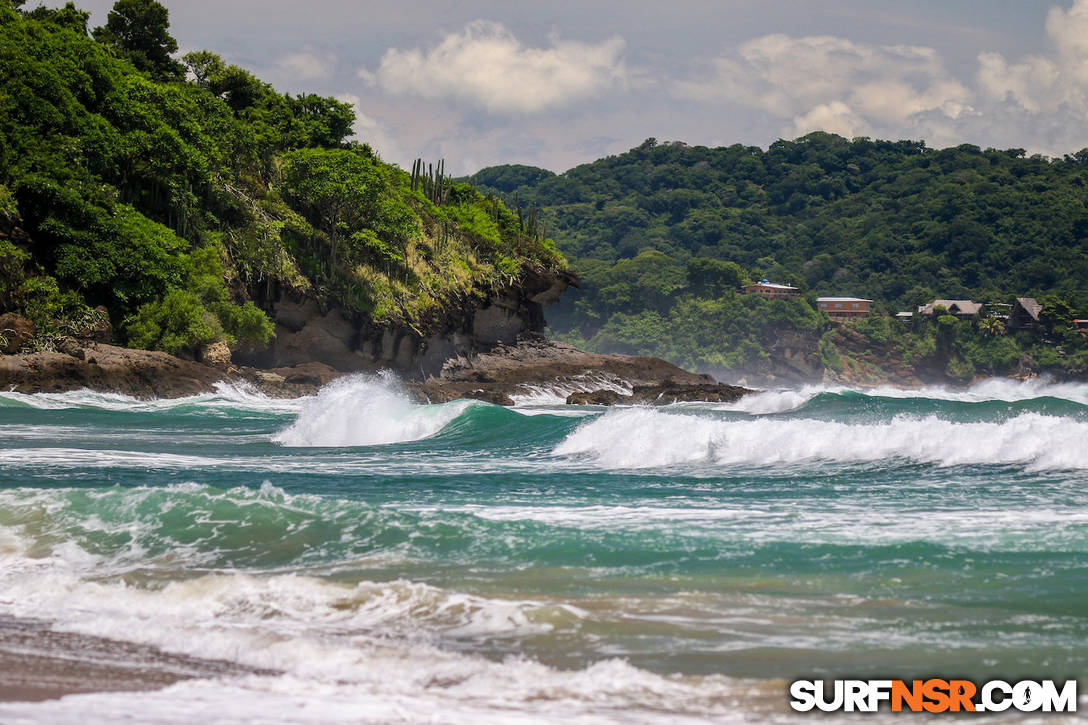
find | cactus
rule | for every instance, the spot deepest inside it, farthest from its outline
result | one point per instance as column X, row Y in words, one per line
column 417, row 166
column 433, row 181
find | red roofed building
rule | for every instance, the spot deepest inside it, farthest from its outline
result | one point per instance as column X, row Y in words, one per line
column 840, row 309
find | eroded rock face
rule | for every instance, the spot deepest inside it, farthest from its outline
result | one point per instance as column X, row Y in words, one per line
column 306, row 332
column 15, row 331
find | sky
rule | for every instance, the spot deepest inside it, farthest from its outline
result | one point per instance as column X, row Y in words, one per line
column 560, row 83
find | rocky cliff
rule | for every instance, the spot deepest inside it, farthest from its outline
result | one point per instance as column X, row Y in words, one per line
column 307, row 332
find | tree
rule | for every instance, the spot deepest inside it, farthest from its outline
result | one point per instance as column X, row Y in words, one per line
column 205, row 66
column 69, row 16
column 336, row 190
column 991, row 326
column 139, row 31
column 713, row 277
column 319, row 121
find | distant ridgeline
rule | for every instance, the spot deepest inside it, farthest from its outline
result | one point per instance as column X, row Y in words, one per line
column 663, row 238
column 175, row 201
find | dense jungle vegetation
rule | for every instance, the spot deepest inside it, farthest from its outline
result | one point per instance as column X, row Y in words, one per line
column 178, row 198
column 664, row 235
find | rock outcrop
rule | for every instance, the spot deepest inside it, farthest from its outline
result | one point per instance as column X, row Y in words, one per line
column 537, row 364
column 662, row 394
column 145, row 374
column 139, row 373
column 15, row 331
column 492, row 351
column 349, row 342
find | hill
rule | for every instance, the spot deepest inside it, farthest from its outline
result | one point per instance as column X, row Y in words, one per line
column 663, row 236
column 176, row 205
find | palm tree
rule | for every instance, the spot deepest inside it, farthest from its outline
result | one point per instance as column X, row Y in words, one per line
column 992, row 326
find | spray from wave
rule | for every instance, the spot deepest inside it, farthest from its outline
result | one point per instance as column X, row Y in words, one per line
column 366, row 410
column 555, row 393
column 994, row 389
column 641, row 438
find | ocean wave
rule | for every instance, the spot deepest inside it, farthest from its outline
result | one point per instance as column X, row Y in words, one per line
column 379, row 644
column 991, row 390
column 552, row 394
column 433, row 687
column 642, row 438
column 366, row 410
column 191, row 525
column 227, row 397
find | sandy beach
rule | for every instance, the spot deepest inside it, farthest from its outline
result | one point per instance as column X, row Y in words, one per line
column 39, row 664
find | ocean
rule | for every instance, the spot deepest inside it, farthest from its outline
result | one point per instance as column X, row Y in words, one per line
column 356, row 557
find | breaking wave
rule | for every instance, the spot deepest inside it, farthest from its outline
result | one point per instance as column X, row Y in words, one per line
column 992, row 390
column 642, row 438
column 342, row 651
column 227, row 397
column 556, row 393
column 366, row 410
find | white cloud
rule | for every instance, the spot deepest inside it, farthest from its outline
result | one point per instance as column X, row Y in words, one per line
column 307, row 66
column 822, row 82
column 1045, row 83
column 834, row 117
column 486, row 65
column 371, row 131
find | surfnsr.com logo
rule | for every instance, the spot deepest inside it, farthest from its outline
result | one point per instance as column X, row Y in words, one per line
column 933, row 695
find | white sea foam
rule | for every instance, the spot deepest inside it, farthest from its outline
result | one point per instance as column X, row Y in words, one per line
column 774, row 401
column 364, row 652
column 643, row 438
column 994, row 389
column 229, row 396
column 1002, row 389
column 462, row 691
column 555, row 393
column 366, row 410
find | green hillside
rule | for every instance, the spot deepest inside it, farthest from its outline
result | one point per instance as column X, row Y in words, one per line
column 663, row 235
column 179, row 199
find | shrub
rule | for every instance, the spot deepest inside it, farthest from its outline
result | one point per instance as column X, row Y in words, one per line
column 178, row 324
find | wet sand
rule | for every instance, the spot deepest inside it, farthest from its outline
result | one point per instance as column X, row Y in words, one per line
column 38, row 664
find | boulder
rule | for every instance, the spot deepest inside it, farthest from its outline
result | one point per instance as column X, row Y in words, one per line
column 596, row 397
column 216, row 354
column 494, row 397
column 670, row 392
column 69, row 346
column 100, row 330
column 15, row 332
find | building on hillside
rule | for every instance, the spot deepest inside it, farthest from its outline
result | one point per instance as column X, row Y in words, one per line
column 1025, row 314
column 1080, row 325
column 905, row 317
column 771, row 289
column 840, row 309
column 963, row 309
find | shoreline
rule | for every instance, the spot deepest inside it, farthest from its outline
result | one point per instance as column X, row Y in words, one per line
column 38, row 663
column 495, row 375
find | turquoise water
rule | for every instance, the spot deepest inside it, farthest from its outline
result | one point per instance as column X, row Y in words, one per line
column 471, row 563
